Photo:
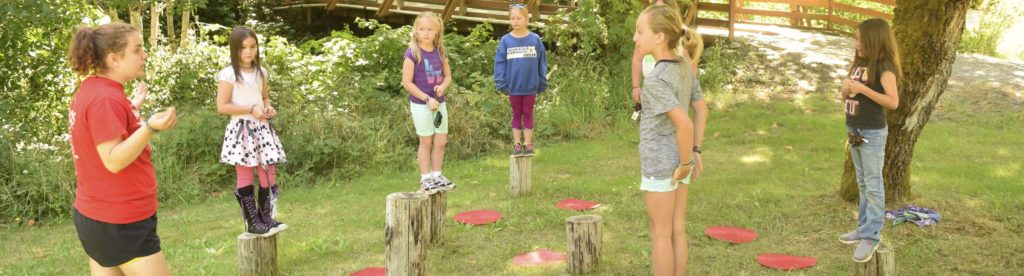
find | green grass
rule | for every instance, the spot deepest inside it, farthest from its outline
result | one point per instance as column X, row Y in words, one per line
column 771, row 166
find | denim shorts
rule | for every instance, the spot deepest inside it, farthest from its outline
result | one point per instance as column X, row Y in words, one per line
column 651, row 184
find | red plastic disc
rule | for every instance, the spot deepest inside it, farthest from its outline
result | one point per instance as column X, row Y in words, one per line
column 539, row 257
column 731, row 234
column 786, row 262
column 478, row 217
column 577, row 204
column 372, row 271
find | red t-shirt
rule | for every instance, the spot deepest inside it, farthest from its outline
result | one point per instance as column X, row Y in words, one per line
column 100, row 112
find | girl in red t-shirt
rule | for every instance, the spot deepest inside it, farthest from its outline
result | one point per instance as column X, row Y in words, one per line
column 115, row 199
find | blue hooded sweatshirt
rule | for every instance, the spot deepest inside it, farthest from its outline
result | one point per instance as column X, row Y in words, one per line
column 521, row 65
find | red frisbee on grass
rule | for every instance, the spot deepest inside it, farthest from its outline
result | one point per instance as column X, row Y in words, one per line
column 734, row 235
column 372, row 271
column 575, row 204
column 786, row 262
column 539, row 257
column 478, row 217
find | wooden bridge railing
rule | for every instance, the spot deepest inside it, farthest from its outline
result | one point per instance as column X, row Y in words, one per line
column 471, row 10
column 809, row 14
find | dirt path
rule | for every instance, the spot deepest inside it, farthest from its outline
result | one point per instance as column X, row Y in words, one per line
column 978, row 83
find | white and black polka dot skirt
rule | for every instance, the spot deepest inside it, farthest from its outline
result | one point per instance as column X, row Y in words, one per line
column 251, row 143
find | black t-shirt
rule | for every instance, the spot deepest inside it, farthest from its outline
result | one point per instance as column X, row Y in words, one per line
column 861, row 111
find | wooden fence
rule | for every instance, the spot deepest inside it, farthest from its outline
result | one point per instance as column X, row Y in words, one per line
column 468, row 10
column 810, row 14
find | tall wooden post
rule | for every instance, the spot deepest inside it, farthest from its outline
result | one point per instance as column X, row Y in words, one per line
column 584, row 243
column 519, row 180
column 438, row 206
column 405, row 233
column 257, row 255
column 883, row 263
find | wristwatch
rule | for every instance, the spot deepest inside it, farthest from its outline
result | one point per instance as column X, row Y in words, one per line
column 698, row 150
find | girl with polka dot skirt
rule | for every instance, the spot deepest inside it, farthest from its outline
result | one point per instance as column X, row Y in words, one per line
column 250, row 142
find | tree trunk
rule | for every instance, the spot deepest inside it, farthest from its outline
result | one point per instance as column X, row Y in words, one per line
column 169, row 9
column 112, row 12
column 928, row 33
column 154, row 24
column 135, row 17
column 185, row 12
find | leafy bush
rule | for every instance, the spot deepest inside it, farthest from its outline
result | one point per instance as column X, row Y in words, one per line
column 342, row 111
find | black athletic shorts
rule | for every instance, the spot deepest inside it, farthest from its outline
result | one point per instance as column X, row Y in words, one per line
column 115, row 244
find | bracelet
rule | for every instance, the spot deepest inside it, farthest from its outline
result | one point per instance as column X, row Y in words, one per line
column 687, row 164
column 636, row 87
column 251, row 109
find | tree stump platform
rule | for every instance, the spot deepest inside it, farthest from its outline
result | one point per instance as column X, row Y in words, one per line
column 883, row 263
column 257, row 255
column 584, row 243
column 405, row 233
column 519, row 171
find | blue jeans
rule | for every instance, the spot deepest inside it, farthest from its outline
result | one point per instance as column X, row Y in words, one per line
column 867, row 160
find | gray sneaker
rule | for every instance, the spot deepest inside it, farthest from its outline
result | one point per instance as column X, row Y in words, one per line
column 444, row 183
column 429, row 186
column 864, row 251
column 849, row 238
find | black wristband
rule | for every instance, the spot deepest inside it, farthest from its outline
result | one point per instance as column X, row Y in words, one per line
column 698, row 150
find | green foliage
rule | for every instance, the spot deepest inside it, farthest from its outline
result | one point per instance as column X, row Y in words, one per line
column 582, row 32
column 342, row 111
column 992, row 25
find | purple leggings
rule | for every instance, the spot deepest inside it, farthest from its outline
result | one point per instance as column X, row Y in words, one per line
column 522, row 111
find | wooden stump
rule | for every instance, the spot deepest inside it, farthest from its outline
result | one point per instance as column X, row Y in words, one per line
column 257, row 255
column 405, row 233
column 883, row 263
column 584, row 243
column 519, row 175
column 438, row 206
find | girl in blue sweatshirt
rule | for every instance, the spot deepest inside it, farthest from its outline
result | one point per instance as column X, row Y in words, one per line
column 520, row 70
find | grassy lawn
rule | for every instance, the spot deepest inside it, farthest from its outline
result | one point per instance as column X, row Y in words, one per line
column 772, row 166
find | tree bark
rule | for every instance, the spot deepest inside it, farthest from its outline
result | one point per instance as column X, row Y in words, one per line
column 928, row 33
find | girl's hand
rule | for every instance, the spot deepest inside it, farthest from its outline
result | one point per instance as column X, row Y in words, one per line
column 636, row 94
column 681, row 173
column 141, row 91
column 845, row 88
column 259, row 114
column 855, row 87
column 433, row 104
column 439, row 90
column 270, row 111
column 163, row 120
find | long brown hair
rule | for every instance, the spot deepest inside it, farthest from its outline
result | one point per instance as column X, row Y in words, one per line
column 90, row 46
column 878, row 45
column 238, row 35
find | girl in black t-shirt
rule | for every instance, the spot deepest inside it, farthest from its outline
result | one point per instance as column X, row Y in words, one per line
column 869, row 90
